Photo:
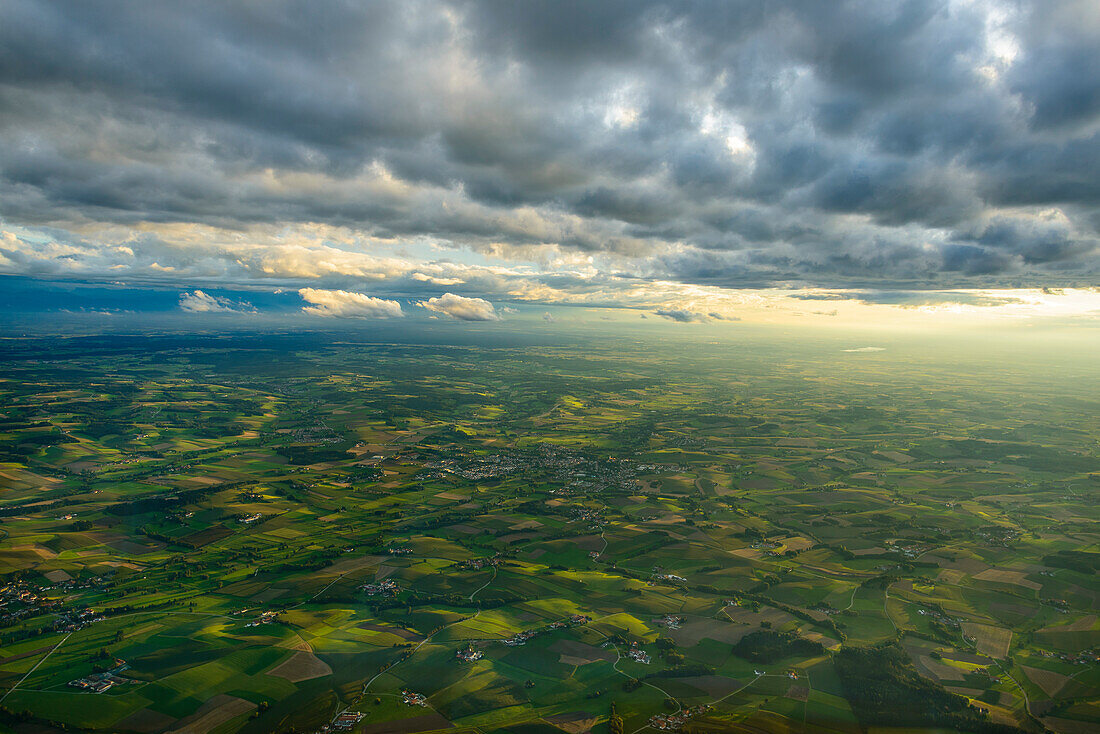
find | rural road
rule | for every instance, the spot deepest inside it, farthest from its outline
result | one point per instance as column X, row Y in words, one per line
column 44, row 657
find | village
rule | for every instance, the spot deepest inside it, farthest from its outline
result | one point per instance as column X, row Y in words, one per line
column 521, row 638
column 385, row 587
column 674, row 722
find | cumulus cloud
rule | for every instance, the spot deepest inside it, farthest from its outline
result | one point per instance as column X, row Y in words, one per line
column 200, row 302
column 461, row 308
column 346, row 304
column 548, row 317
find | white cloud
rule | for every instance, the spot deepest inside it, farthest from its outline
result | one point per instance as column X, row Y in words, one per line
column 865, row 349
column 462, row 308
column 346, row 304
column 200, row 302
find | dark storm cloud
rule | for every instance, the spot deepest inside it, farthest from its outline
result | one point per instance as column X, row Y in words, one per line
column 1036, row 240
column 930, row 142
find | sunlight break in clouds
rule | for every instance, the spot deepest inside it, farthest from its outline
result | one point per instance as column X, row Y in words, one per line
column 344, row 304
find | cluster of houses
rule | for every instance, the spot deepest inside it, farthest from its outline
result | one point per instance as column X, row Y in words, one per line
column 398, row 550
column 992, row 675
column 476, row 564
column 671, row 621
column 1084, row 657
column 469, row 654
column 18, row 601
column 939, row 617
column 673, row 722
column 520, row 638
column 127, row 462
column 346, row 721
column 908, row 550
column 78, row 620
column 1000, row 536
column 637, row 654
column 479, row 468
column 587, row 514
column 1060, row 605
column 19, row 593
column 824, row 608
column 574, row 469
column 264, row 618
column 102, row 682
column 661, row 468
column 669, row 578
column 249, row 519
column 410, row 698
column 385, row 587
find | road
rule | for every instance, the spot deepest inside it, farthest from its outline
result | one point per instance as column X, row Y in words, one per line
column 44, row 657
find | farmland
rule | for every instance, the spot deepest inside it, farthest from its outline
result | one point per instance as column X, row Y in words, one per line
column 265, row 533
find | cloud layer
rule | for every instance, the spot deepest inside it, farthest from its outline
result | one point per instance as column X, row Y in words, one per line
column 549, row 151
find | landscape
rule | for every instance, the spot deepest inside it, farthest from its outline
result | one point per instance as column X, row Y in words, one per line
column 284, row 532
column 550, row 366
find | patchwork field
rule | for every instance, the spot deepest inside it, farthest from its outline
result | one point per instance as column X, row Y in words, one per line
column 765, row 537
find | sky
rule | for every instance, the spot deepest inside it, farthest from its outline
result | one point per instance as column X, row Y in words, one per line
column 708, row 163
